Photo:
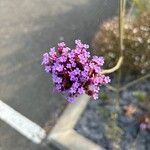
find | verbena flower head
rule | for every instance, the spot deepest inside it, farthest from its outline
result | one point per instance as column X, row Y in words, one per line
column 143, row 126
column 74, row 71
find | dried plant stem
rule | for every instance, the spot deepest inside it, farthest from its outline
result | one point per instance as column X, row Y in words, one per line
column 121, row 47
column 128, row 84
column 134, row 82
column 121, row 37
column 119, row 63
column 111, row 88
column 121, row 23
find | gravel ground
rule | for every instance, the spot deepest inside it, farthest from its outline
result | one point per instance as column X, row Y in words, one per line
column 93, row 122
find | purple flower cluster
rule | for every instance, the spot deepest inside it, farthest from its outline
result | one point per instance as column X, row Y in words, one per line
column 143, row 126
column 73, row 71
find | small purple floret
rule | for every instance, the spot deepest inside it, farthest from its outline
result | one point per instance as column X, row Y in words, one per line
column 143, row 126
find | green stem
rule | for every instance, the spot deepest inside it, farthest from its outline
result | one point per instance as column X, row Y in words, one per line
column 121, row 47
column 134, row 82
column 128, row 84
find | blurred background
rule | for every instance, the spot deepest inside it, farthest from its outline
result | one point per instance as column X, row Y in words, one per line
column 28, row 28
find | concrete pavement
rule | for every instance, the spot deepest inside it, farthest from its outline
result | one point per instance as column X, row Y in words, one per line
column 27, row 29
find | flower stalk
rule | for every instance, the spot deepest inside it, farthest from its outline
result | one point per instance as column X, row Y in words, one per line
column 121, row 37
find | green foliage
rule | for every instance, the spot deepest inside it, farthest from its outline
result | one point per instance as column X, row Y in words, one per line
column 113, row 132
column 136, row 44
column 103, row 112
column 142, row 5
column 140, row 95
column 104, row 96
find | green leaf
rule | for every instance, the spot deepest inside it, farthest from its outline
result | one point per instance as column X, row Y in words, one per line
column 103, row 96
column 103, row 112
column 142, row 5
column 140, row 95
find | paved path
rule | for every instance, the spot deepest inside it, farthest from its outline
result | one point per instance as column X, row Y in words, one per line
column 28, row 28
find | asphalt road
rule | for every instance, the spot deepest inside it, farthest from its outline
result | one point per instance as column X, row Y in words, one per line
column 27, row 29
